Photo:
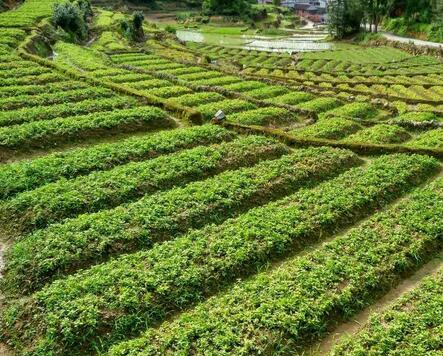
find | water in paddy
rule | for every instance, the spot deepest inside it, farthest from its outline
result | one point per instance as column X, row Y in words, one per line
column 300, row 42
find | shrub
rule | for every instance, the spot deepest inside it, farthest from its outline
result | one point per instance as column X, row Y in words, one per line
column 71, row 18
column 171, row 29
column 133, row 30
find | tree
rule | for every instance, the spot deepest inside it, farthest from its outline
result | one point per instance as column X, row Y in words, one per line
column 344, row 17
column 72, row 18
column 375, row 10
column 239, row 8
column 133, row 30
column 276, row 2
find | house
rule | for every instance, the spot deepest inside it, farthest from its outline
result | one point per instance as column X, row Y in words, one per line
column 314, row 10
column 265, row 2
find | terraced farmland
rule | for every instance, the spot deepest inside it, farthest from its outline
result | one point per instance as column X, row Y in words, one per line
column 133, row 224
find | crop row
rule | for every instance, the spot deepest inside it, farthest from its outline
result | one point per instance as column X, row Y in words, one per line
column 40, row 256
column 241, row 56
column 206, row 103
column 264, row 116
column 350, row 79
column 360, row 55
column 34, row 114
column 27, row 14
column 412, row 326
column 80, row 57
column 34, row 79
column 149, row 84
column 285, row 308
column 229, row 106
column 33, row 89
column 271, row 94
column 429, row 139
column 127, row 294
column 265, row 60
column 353, row 111
column 109, row 41
column 13, row 62
column 11, row 37
column 204, row 78
column 100, row 190
column 351, row 131
column 46, row 99
column 23, row 72
column 380, row 134
column 416, row 117
column 388, row 83
column 334, row 128
column 30, row 174
column 163, row 88
column 200, row 98
column 128, row 77
column 47, row 132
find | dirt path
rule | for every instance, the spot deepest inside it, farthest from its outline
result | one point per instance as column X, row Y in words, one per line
column 421, row 43
column 353, row 326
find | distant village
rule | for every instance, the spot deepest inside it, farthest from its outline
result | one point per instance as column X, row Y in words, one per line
column 313, row 10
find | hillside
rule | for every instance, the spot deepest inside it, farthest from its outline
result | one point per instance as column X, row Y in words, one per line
column 133, row 223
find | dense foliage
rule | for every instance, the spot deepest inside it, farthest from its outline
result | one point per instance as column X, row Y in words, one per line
column 133, row 29
column 233, row 8
column 72, row 16
column 403, row 17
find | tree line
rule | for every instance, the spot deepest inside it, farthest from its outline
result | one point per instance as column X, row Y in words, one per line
column 348, row 16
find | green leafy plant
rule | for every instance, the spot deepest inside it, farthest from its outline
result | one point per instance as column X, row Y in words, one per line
column 301, row 296
column 100, row 190
column 162, row 215
column 201, row 261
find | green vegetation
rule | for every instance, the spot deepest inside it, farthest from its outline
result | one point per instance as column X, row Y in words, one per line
column 339, row 275
column 319, row 105
column 133, row 29
column 411, row 16
column 228, row 106
column 432, row 138
column 72, row 17
column 45, row 113
column 196, row 204
column 354, row 110
column 421, row 18
column 334, row 128
column 20, row 101
column 380, row 134
column 138, row 220
column 65, row 198
column 43, row 133
column 200, row 261
column 27, row 14
column 411, row 326
column 360, row 55
column 25, row 175
column 263, row 116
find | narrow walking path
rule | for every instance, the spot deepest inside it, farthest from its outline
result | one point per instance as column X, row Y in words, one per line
column 392, row 37
column 353, row 326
